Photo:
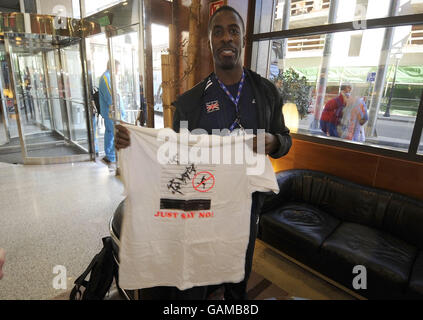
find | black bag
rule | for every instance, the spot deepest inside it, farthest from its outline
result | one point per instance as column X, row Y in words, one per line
column 103, row 269
column 96, row 99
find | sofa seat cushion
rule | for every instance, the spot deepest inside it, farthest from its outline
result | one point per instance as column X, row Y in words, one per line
column 297, row 229
column 416, row 280
column 388, row 260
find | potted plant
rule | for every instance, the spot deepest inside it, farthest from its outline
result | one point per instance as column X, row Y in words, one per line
column 294, row 89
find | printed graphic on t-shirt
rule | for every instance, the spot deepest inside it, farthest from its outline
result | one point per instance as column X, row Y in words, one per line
column 186, row 188
column 203, row 181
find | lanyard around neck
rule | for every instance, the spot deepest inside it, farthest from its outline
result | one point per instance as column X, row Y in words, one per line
column 241, row 85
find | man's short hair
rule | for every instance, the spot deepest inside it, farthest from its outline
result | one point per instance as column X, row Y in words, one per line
column 226, row 8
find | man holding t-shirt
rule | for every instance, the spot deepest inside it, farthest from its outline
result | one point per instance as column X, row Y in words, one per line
column 232, row 97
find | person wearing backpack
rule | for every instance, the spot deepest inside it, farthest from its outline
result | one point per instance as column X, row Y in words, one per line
column 106, row 101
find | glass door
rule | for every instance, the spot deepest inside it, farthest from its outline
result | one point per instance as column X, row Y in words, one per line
column 9, row 136
column 97, row 57
column 51, row 111
column 74, row 96
column 55, row 93
column 126, row 82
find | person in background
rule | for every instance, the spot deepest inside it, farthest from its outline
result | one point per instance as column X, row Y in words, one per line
column 142, row 113
column 95, row 121
column 353, row 119
column 106, row 102
column 365, row 117
column 29, row 102
column 332, row 112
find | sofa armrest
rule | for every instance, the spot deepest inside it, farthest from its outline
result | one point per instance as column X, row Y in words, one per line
column 272, row 200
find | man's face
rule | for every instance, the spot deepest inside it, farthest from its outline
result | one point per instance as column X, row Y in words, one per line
column 226, row 40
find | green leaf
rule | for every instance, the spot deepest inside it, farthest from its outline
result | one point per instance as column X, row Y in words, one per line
column 294, row 89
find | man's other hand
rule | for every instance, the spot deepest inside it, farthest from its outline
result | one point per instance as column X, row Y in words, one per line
column 122, row 137
column 271, row 143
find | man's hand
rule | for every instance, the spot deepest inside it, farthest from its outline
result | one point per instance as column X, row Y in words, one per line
column 271, row 143
column 2, row 259
column 122, row 137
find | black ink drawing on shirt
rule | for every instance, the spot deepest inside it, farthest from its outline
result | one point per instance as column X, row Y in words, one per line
column 175, row 186
column 202, row 182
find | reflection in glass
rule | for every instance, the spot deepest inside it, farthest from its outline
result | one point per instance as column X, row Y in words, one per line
column 277, row 15
column 125, row 50
column 300, row 14
column 420, row 150
column 53, row 77
column 9, row 134
column 93, row 6
column 69, row 8
column 160, row 43
column 386, row 84
column 74, row 93
column 98, row 55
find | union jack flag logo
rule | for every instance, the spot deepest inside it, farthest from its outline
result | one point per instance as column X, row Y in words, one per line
column 212, row 106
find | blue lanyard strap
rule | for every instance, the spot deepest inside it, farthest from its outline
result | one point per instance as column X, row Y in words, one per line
column 241, row 85
column 237, row 121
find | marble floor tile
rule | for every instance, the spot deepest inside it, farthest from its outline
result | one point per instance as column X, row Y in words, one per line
column 49, row 216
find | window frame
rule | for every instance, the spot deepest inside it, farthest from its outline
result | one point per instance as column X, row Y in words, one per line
column 386, row 22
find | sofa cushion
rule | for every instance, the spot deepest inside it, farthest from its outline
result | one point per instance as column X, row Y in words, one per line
column 338, row 197
column 297, row 229
column 388, row 260
column 416, row 279
column 404, row 219
column 396, row 214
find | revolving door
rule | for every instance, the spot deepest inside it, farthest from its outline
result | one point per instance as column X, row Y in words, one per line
column 44, row 116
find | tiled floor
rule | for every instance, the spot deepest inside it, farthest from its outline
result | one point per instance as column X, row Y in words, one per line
column 52, row 215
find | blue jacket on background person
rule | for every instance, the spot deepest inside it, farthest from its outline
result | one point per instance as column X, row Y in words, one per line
column 106, row 102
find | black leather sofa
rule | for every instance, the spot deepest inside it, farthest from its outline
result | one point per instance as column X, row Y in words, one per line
column 331, row 225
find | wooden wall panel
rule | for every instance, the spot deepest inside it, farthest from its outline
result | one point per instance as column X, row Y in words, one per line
column 206, row 60
column 161, row 12
column 368, row 169
column 400, row 176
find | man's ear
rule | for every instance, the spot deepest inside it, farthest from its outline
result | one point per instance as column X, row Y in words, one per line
column 244, row 40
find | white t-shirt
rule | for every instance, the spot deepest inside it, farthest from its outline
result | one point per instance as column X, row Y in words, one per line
column 185, row 223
